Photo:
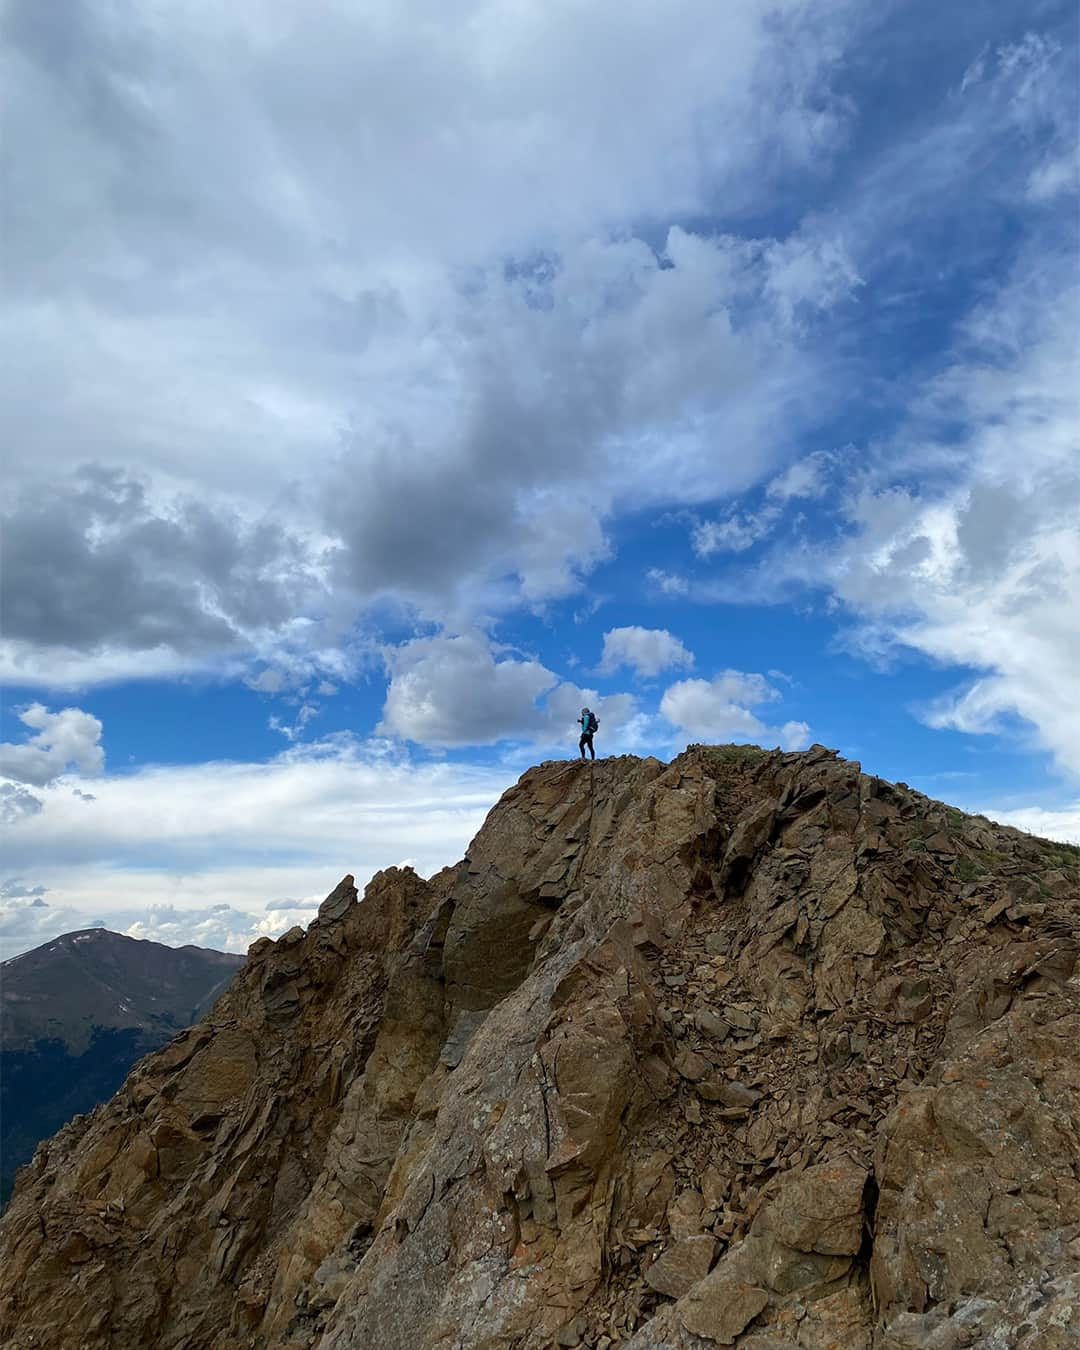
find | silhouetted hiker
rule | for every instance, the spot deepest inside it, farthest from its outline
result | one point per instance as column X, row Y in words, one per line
column 588, row 724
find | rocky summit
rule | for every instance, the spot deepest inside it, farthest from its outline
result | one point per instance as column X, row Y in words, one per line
column 747, row 1049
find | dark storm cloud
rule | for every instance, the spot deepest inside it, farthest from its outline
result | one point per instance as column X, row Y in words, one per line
column 632, row 382
column 94, row 563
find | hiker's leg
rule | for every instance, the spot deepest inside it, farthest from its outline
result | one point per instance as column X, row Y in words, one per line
column 591, row 750
column 581, row 744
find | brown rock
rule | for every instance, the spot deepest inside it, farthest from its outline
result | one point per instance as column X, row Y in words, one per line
column 729, row 1093
column 711, row 1024
column 691, row 1066
column 681, row 1265
column 821, row 1210
column 447, row 1114
column 721, row 1307
column 684, row 1215
column 741, row 1018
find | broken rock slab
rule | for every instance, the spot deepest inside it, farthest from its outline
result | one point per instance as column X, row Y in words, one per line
column 720, row 1307
column 682, row 1265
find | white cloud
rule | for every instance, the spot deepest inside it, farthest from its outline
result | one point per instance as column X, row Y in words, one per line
column 806, row 478
column 1053, row 178
column 721, row 709
column 647, row 651
column 795, row 735
column 17, row 801
column 15, row 888
column 623, row 728
column 739, row 531
column 459, row 690
column 62, row 740
column 437, row 389
column 1013, row 111
column 27, row 919
column 668, row 583
column 735, row 534
column 1062, row 824
column 63, row 667
column 294, row 731
column 268, row 681
column 220, row 927
column 447, row 691
column 979, row 566
column 807, row 273
column 149, row 857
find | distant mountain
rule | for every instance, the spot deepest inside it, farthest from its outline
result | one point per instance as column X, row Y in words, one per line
column 75, row 1015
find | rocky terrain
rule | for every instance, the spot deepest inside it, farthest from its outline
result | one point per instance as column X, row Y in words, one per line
column 748, row 1049
column 75, row 1015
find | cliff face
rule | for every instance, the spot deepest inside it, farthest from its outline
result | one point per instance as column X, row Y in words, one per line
column 746, row 1049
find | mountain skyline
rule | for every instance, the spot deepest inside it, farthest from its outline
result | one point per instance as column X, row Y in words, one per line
column 381, row 387
column 76, row 1014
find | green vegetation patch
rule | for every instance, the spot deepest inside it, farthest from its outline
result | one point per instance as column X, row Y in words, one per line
column 735, row 754
column 991, row 858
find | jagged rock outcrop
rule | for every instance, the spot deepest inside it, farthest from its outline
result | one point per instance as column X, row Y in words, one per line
column 749, row 1049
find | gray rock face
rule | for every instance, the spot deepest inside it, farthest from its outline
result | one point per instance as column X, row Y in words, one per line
column 741, row 1050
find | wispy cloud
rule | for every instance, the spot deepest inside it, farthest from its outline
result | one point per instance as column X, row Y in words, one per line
column 149, row 845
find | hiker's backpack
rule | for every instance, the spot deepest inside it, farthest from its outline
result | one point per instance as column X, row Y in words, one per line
column 592, row 725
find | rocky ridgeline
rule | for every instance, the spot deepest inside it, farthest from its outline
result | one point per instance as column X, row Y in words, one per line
column 749, row 1049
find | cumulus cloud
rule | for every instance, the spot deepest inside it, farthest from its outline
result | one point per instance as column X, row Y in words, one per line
column 15, row 888
column 27, row 920
column 647, row 651
column 63, row 740
column 447, row 691
column 267, row 681
column 457, row 690
column 218, row 927
column 92, row 564
column 1062, row 823
column 721, row 709
column 17, row 801
column 653, row 371
column 433, row 391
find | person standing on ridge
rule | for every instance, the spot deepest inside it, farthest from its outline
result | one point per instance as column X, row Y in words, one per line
column 588, row 724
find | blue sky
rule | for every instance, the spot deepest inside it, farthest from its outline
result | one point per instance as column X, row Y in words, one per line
column 381, row 387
